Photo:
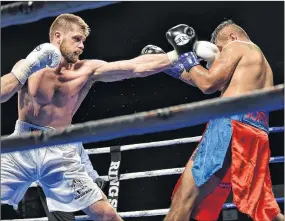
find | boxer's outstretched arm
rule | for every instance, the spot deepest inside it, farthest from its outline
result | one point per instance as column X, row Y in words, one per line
column 210, row 81
column 141, row 66
column 9, row 85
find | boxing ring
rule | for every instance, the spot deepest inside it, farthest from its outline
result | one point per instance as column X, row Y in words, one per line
column 159, row 120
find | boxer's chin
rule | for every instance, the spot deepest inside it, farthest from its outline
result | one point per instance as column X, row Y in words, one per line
column 70, row 57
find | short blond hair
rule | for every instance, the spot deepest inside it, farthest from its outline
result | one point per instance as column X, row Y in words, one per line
column 66, row 22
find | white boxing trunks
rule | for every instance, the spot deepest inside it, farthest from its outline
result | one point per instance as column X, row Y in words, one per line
column 57, row 169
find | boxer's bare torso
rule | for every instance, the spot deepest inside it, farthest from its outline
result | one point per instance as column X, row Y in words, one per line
column 251, row 73
column 51, row 97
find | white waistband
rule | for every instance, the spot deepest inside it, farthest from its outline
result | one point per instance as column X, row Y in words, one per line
column 22, row 126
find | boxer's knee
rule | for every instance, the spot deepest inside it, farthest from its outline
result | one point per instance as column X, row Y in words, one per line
column 102, row 210
column 185, row 196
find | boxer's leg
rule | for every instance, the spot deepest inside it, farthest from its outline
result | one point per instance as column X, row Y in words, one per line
column 57, row 215
column 208, row 164
column 188, row 194
column 16, row 177
column 69, row 188
column 102, row 210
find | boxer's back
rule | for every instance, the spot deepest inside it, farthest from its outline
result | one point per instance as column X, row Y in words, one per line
column 51, row 98
column 252, row 72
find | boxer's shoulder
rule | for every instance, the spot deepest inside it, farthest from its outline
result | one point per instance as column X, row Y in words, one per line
column 238, row 45
column 234, row 46
column 93, row 64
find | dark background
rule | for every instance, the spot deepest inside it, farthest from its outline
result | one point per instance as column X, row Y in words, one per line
column 119, row 32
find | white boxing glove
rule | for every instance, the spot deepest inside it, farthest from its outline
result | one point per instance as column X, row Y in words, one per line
column 207, row 51
column 42, row 56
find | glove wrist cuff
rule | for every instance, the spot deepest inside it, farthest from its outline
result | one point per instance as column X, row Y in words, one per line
column 22, row 71
column 176, row 70
column 172, row 56
column 189, row 60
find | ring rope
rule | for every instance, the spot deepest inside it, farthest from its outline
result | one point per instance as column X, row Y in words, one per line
column 31, row 11
column 146, row 145
column 171, row 171
column 163, row 172
column 163, row 143
column 164, row 119
column 142, row 213
column 276, row 129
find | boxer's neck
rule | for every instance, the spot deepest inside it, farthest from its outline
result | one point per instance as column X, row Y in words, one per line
column 241, row 41
column 65, row 65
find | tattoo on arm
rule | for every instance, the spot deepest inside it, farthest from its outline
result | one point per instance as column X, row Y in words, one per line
column 224, row 57
column 254, row 47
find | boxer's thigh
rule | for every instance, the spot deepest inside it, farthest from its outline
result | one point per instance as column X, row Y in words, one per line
column 65, row 181
column 17, row 173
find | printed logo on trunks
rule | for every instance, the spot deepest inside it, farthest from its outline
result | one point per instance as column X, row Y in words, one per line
column 259, row 117
column 225, row 185
column 80, row 188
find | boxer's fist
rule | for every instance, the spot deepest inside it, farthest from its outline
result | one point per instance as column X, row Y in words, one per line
column 42, row 56
column 182, row 38
column 152, row 49
column 207, row 51
column 176, row 69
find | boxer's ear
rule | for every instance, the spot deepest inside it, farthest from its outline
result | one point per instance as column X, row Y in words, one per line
column 58, row 37
column 233, row 37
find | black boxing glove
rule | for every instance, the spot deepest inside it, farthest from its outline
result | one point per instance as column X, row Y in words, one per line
column 100, row 183
column 183, row 38
column 177, row 68
column 152, row 49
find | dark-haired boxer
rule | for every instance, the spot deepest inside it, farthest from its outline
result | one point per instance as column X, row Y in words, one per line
column 234, row 151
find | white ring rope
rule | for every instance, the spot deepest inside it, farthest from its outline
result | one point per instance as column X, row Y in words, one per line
column 30, row 11
column 163, row 143
column 164, row 119
column 162, row 172
column 146, row 145
column 171, row 171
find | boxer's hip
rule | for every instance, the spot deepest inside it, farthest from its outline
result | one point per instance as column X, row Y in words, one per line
column 218, row 137
column 55, row 158
column 257, row 119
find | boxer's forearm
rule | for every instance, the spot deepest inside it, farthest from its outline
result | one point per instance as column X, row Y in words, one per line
column 9, row 86
column 186, row 77
column 141, row 66
column 146, row 65
column 203, row 79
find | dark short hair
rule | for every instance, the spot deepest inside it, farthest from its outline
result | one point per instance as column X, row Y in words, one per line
column 219, row 28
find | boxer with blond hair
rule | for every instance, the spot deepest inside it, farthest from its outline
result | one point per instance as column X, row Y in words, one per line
column 51, row 83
